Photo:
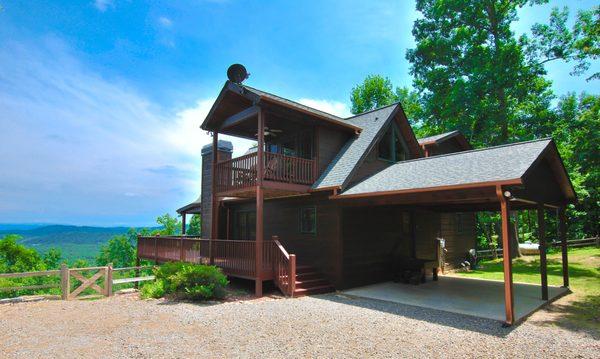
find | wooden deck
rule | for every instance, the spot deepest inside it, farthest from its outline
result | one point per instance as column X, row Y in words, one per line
column 235, row 257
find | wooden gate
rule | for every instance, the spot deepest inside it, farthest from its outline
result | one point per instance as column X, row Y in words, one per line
column 85, row 282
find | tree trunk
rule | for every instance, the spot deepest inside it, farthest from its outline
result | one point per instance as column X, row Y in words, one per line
column 515, row 252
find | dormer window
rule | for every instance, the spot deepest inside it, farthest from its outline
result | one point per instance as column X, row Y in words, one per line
column 392, row 147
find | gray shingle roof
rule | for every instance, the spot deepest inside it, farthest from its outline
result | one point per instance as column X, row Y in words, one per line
column 356, row 148
column 498, row 163
column 437, row 137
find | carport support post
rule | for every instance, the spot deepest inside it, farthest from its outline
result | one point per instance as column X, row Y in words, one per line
column 562, row 235
column 214, row 226
column 542, row 246
column 506, row 258
column 259, row 203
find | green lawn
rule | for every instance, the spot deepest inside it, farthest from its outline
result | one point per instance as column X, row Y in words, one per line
column 583, row 307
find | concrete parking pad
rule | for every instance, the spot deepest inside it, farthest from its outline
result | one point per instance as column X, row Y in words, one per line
column 476, row 297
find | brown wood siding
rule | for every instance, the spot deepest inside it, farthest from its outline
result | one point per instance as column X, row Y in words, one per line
column 427, row 230
column 330, row 143
column 445, row 147
column 281, row 218
column 460, row 232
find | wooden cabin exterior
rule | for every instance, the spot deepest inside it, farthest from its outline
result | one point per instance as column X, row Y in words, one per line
column 326, row 203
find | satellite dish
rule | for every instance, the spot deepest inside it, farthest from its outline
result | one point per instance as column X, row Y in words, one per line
column 237, row 73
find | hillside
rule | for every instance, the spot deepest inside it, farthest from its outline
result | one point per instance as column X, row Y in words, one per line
column 74, row 241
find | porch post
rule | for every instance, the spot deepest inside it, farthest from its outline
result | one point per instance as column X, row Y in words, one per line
column 183, row 224
column 562, row 235
column 259, row 202
column 542, row 246
column 214, row 205
column 506, row 258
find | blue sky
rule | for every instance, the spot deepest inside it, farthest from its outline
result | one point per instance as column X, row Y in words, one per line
column 101, row 100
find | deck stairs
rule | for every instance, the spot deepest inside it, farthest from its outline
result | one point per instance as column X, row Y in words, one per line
column 310, row 281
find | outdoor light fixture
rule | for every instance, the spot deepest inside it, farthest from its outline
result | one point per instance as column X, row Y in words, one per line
column 507, row 194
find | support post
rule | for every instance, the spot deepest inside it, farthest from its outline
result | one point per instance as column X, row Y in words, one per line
column 259, row 202
column 562, row 235
column 137, row 271
column 214, row 204
column 181, row 251
column 65, row 285
column 183, row 224
column 108, row 280
column 542, row 246
column 506, row 258
column 228, row 234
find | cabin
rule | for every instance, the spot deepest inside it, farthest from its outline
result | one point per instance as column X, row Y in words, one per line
column 326, row 203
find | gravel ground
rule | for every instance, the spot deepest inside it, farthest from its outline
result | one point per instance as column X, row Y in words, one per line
column 321, row 326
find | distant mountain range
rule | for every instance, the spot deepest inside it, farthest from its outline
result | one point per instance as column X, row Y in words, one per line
column 74, row 241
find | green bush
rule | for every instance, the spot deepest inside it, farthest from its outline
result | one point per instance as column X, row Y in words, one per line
column 186, row 281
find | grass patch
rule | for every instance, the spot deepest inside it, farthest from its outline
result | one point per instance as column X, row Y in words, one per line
column 583, row 308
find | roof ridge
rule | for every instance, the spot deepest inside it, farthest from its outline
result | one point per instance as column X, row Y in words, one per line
column 476, row 150
column 296, row 102
column 373, row 110
column 442, row 135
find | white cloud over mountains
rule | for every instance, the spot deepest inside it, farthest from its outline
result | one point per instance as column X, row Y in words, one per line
column 78, row 148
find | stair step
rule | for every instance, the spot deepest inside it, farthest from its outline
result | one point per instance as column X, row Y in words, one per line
column 313, row 290
column 308, row 276
column 310, row 283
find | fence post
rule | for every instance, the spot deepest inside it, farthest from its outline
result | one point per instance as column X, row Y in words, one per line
column 65, row 286
column 108, row 280
column 292, row 278
column 137, row 271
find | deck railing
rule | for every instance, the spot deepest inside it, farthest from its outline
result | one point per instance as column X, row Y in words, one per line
column 284, row 268
column 240, row 172
column 236, row 257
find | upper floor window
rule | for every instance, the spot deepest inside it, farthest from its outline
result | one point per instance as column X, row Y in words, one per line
column 392, row 147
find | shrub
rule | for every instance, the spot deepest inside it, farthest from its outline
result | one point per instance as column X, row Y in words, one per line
column 187, row 281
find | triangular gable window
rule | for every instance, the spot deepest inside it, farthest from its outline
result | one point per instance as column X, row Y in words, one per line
column 392, row 147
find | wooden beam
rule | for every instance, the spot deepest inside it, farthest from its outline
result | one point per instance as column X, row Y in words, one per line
column 259, row 204
column 507, row 260
column 183, row 223
column 562, row 235
column 240, row 117
column 542, row 246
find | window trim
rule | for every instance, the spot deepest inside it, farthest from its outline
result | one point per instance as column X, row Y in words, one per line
column 300, row 229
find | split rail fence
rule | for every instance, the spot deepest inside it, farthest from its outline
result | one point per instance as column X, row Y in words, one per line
column 98, row 279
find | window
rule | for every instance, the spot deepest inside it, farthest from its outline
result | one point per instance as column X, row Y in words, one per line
column 308, row 220
column 392, row 147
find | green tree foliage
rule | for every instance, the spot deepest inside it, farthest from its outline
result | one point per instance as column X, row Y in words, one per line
column 15, row 257
column 53, row 258
column 170, row 225
column 472, row 73
column 195, row 227
column 119, row 250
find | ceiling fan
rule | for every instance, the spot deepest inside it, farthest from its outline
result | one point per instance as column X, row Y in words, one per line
column 270, row 132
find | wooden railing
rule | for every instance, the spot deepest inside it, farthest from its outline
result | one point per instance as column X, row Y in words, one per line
column 235, row 257
column 284, row 268
column 240, row 172
column 87, row 278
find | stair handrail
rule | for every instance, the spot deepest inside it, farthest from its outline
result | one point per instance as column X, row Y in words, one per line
column 291, row 268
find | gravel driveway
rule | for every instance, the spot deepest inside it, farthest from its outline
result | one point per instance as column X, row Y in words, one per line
column 320, row 326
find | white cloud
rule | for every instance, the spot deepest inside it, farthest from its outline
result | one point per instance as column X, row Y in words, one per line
column 165, row 21
column 102, row 5
column 76, row 147
column 333, row 107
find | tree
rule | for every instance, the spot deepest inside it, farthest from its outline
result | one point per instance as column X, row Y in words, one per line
column 195, row 228
column 53, row 258
column 170, row 225
column 375, row 91
column 471, row 72
column 119, row 251
column 554, row 41
column 15, row 257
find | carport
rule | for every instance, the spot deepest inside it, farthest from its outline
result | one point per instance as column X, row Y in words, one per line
column 526, row 175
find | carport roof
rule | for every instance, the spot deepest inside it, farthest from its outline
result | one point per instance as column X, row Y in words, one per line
column 493, row 164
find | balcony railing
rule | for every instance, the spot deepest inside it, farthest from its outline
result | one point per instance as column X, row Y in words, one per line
column 241, row 172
